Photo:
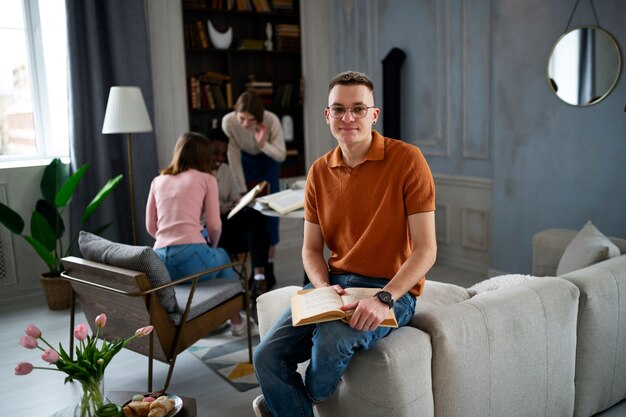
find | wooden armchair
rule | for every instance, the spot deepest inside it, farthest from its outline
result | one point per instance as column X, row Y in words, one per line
column 130, row 301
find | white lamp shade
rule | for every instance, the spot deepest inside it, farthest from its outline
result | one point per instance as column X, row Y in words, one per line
column 126, row 112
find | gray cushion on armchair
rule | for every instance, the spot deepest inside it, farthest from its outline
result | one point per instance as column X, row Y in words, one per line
column 136, row 258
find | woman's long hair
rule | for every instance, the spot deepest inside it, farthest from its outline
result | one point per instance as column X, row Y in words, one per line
column 192, row 151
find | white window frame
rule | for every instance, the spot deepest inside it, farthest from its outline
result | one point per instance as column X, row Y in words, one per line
column 39, row 93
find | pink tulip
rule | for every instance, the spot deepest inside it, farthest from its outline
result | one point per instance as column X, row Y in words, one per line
column 81, row 331
column 50, row 356
column 101, row 320
column 28, row 342
column 23, row 368
column 144, row 331
column 33, row 331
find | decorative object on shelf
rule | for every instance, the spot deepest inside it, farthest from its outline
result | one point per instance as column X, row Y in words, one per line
column 126, row 112
column 218, row 39
column 47, row 226
column 89, row 367
column 269, row 45
column 287, row 123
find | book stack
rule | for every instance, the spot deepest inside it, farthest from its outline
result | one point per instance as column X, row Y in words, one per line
column 287, row 37
column 282, row 6
column 265, row 89
column 215, row 91
column 255, row 44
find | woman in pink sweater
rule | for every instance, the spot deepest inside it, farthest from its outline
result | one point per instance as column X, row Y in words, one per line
column 179, row 197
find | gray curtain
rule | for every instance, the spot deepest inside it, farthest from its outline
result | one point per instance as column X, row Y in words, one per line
column 109, row 46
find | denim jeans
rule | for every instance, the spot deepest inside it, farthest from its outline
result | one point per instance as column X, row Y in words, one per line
column 330, row 347
column 183, row 260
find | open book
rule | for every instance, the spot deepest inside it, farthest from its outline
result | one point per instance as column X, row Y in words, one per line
column 247, row 198
column 284, row 201
column 324, row 304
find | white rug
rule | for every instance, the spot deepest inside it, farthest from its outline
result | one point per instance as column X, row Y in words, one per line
column 221, row 351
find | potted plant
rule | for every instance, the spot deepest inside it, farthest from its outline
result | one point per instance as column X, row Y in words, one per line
column 47, row 227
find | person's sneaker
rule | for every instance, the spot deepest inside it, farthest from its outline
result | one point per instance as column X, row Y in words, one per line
column 259, row 286
column 238, row 329
column 260, row 410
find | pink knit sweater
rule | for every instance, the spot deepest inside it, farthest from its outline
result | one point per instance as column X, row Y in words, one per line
column 175, row 207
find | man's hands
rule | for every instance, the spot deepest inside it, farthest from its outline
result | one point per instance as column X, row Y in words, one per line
column 368, row 313
column 259, row 134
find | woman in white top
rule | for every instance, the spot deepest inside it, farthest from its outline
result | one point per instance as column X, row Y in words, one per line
column 255, row 150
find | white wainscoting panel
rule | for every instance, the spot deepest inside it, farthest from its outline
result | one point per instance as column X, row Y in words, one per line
column 463, row 221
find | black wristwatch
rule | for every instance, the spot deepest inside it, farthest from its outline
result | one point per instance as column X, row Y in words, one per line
column 385, row 297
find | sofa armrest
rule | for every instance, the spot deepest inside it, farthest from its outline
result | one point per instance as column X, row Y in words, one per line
column 548, row 247
column 511, row 349
column 271, row 305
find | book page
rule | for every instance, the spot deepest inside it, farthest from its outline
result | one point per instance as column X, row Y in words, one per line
column 314, row 304
column 287, row 202
column 354, row 294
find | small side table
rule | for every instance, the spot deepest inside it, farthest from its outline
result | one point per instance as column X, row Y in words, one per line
column 121, row 397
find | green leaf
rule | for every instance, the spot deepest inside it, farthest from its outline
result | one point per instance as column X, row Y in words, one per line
column 11, row 219
column 54, row 176
column 50, row 213
column 45, row 254
column 42, row 232
column 65, row 193
column 99, row 198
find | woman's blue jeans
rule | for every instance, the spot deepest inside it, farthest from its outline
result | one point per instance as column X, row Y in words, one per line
column 330, row 346
column 183, row 260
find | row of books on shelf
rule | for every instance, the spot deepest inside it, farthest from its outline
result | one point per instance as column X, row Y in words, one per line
column 261, row 6
column 210, row 91
column 284, row 95
column 196, row 35
column 287, row 37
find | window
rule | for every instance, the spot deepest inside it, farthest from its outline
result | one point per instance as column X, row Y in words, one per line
column 33, row 79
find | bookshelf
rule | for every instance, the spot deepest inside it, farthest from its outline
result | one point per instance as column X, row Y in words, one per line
column 219, row 71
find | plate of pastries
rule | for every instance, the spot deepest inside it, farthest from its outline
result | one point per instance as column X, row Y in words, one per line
column 156, row 404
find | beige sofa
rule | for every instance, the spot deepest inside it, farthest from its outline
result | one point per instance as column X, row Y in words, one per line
column 547, row 347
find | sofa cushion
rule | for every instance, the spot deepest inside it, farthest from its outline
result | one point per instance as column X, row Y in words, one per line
column 208, row 294
column 137, row 258
column 438, row 294
column 512, row 349
column 601, row 336
column 589, row 246
column 497, row 283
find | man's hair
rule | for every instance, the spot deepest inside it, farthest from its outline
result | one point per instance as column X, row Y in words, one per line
column 250, row 102
column 192, row 151
column 217, row 134
column 351, row 78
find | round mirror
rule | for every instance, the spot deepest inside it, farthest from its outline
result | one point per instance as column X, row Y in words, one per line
column 584, row 66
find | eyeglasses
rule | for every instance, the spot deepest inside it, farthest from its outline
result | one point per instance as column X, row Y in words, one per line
column 358, row 112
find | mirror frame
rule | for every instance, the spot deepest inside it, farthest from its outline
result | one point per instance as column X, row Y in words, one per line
column 618, row 70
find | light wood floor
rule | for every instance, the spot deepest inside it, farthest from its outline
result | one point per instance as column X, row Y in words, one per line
column 42, row 393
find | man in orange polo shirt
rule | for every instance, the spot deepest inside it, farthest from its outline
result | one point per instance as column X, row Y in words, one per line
column 371, row 201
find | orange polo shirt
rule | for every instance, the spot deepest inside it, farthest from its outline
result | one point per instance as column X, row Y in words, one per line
column 362, row 212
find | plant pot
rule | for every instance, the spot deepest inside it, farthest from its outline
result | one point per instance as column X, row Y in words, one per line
column 58, row 292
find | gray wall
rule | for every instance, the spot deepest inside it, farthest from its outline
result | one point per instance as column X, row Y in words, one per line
column 476, row 101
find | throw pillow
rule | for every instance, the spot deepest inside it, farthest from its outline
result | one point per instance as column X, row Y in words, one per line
column 496, row 283
column 588, row 247
column 137, row 258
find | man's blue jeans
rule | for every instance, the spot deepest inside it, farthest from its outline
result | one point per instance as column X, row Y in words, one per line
column 330, row 347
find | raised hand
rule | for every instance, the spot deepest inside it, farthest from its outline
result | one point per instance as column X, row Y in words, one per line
column 259, row 134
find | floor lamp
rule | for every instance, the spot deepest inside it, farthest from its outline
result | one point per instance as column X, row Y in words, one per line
column 126, row 113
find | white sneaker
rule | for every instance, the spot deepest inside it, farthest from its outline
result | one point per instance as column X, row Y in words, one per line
column 238, row 329
column 260, row 410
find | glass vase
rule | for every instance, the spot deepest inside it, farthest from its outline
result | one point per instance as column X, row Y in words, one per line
column 91, row 398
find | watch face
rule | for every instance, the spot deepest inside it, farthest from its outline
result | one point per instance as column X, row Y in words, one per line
column 385, row 297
